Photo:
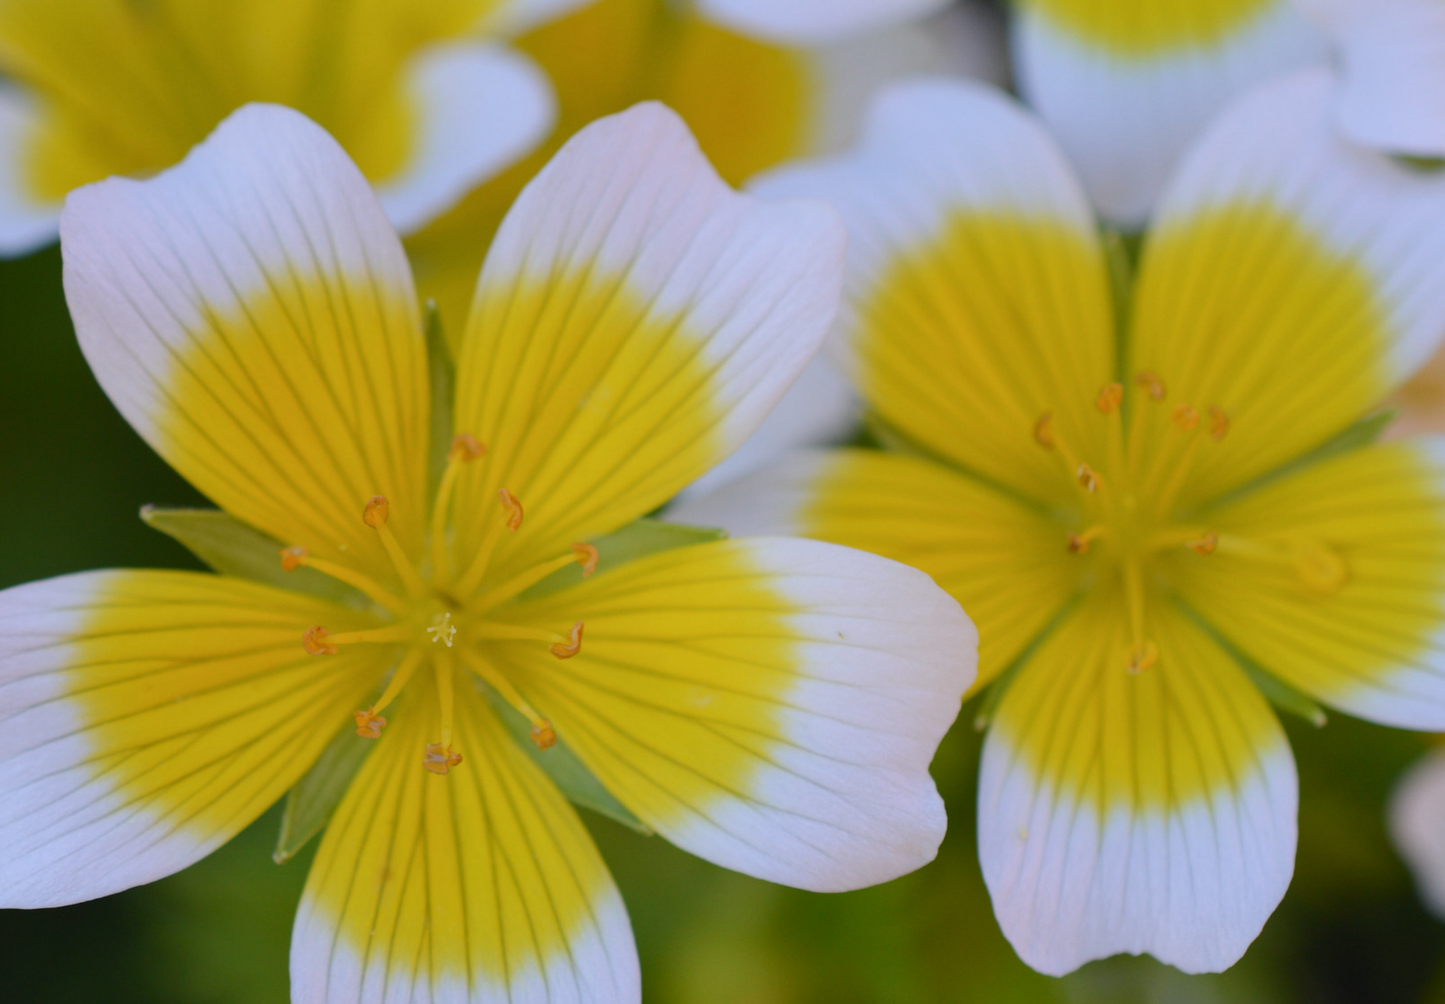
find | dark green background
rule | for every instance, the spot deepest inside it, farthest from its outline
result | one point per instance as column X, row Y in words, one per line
column 72, row 476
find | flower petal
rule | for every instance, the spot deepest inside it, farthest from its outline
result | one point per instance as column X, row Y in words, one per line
column 1127, row 85
column 1392, row 55
column 251, row 314
column 478, row 109
column 1417, row 812
column 1333, row 578
column 148, row 717
column 28, row 220
column 478, row 885
column 771, row 705
column 1291, row 279
column 972, row 255
column 820, row 408
column 634, row 323
column 804, row 22
column 1006, row 563
column 1152, row 812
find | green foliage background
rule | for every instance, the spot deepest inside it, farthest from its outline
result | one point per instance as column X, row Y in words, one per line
column 72, row 477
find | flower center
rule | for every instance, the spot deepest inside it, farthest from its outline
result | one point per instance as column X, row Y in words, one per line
column 444, row 621
column 1129, row 516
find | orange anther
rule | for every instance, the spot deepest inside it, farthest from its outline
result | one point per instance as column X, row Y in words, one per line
column 587, row 558
column 368, row 723
column 1111, row 396
column 1218, row 423
column 1186, row 418
column 292, row 558
column 1151, row 383
column 1088, row 479
column 573, row 646
column 1142, row 656
column 543, row 735
column 314, row 641
column 439, row 759
column 376, row 511
column 1043, row 430
column 466, row 447
column 513, row 507
column 1205, row 543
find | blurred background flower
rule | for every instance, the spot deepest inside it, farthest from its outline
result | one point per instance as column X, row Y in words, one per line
column 1350, row 928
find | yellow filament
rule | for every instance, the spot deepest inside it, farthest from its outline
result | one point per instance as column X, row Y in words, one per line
column 375, row 636
column 341, row 573
column 400, row 678
column 542, row 732
column 478, row 568
column 498, row 595
column 1142, row 651
column 1079, row 542
column 465, row 448
column 404, row 568
column 446, row 695
column 493, row 631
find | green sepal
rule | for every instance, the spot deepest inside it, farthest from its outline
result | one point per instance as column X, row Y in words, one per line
column 233, row 548
column 636, row 540
column 310, row 803
column 1363, row 433
column 442, row 375
column 568, row 773
column 1121, row 259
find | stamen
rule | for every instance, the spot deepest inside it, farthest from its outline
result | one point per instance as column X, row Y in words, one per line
column 1141, row 657
column 368, row 723
column 399, row 680
column 293, row 558
column 587, row 557
column 573, row 646
column 315, row 640
column 1153, row 386
column 1206, row 543
column 465, row 448
column 1218, row 423
column 375, row 515
column 1079, row 542
column 443, row 630
column 1043, row 430
column 1088, row 478
column 583, row 554
column 374, row 636
column 1143, row 653
column 446, row 696
column 478, row 568
column 440, row 758
column 1111, row 396
column 513, row 507
column 542, row 732
column 1185, row 417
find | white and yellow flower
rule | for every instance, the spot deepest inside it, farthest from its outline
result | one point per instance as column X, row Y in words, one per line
column 1391, row 56
column 1155, row 504
column 769, row 704
column 418, row 96
column 1126, row 85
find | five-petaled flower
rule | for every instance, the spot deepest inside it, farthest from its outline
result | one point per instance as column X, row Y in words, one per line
column 1150, row 502
column 420, row 94
column 769, row 704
